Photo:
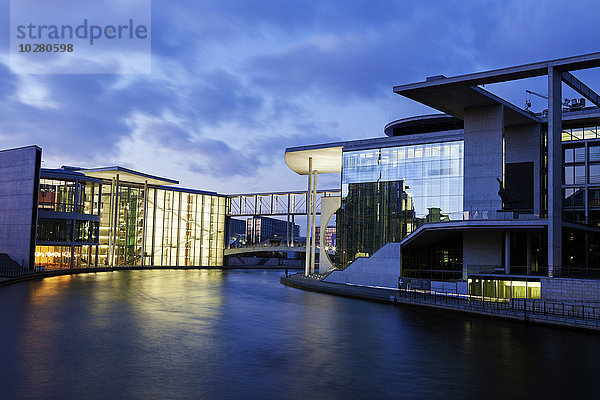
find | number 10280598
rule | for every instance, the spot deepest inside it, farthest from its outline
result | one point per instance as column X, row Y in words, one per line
column 45, row 48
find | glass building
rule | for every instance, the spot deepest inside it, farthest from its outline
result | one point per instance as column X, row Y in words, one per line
column 485, row 194
column 68, row 220
column 388, row 192
column 118, row 217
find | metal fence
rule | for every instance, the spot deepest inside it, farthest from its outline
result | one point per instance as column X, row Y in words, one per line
column 572, row 313
column 13, row 272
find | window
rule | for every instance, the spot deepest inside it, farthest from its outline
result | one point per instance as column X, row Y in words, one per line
column 54, row 230
column 594, row 173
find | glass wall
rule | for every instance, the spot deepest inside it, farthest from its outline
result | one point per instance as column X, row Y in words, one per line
column 54, row 230
column 53, row 257
column 165, row 228
column 581, row 201
column 389, row 192
column 432, row 174
column 69, row 195
column 59, row 257
column 492, row 288
column 57, row 195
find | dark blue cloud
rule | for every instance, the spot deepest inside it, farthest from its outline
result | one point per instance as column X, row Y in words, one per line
column 267, row 68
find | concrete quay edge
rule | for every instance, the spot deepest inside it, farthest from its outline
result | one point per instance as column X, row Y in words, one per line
column 76, row 271
column 390, row 296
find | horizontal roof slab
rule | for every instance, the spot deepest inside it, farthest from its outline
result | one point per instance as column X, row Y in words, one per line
column 126, row 175
column 325, row 159
column 454, row 99
column 510, row 73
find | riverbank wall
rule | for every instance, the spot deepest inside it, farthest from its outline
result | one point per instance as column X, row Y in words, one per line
column 574, row 315
column 59, row 272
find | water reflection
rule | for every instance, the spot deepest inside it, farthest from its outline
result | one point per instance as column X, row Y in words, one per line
column 240, row 334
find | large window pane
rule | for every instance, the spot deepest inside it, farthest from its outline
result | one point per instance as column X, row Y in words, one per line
column 580, row 154
column 594, row 173
column 568, row 175
column 594, row 153
column 569, row 155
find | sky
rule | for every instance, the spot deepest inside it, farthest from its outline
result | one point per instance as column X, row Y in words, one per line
column 235, row 82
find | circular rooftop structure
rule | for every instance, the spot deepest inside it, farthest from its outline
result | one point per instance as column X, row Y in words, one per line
column 423, row 124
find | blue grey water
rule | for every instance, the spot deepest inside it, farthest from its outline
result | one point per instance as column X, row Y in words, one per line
column 211, row 334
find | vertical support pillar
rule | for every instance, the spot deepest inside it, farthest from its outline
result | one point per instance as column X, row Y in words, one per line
column 292, row 229
column 554, row 171
column 144, row 223
column 74, row 221
column 528, row 253
column 111, row 216
column 308, row 215
column 507, row 252
column 154, row 208
column 287, row 227
column 313, row 246
column 116, row 222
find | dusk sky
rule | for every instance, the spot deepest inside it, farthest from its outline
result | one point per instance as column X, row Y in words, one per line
column 235, row 82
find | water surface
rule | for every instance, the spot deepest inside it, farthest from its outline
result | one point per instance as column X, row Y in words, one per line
column 210, row 334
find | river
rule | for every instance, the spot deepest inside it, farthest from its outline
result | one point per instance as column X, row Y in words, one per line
column 240, row 334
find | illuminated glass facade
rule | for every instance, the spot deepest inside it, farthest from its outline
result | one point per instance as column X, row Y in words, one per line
column 581, row 201
column 169, row 227
column 91, row 222
column 68, row 220
column 389, row 192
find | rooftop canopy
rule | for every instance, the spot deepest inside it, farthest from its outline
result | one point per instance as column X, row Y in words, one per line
column 126, row 175
column 452, row 95
column 326, row 158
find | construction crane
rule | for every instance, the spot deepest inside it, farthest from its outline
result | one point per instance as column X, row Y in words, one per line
column 568, row 104
column 528, row 98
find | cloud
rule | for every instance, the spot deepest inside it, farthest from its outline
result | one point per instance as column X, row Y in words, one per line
column 235, row 82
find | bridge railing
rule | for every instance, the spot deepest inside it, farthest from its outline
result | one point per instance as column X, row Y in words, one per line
column 276, row 203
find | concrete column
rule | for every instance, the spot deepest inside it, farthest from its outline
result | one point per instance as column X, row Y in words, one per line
column 528, row 253
column 287, row 227
column 308, row 217
column 554, row 171
column 115, row 221
column 74, row 222
column 329, row 205
column 313, row 246
column 111, row 216
column 507, row 252
column 144, row 223
column 292, row 229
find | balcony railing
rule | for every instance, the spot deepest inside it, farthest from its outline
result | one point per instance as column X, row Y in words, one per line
column 482, row 215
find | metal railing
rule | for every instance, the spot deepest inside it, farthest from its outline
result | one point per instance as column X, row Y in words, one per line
column 573, row 313
column 13, row 272
column 482, row 215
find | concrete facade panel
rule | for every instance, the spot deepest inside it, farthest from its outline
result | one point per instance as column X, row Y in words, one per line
column 523, row 144
column 382, row 269
column 482, row 251
column 483, row 130
column 562, row 289
column 19, row 172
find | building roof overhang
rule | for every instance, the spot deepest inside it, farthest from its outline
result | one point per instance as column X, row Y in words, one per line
column 452, row 95
column 431, row 232
column 50, row 173
column 454, row 99
column 127, row 175
column 326, row 158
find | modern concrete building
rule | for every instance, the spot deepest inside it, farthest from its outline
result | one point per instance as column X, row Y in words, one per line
column 85, row 218
column 485, row 193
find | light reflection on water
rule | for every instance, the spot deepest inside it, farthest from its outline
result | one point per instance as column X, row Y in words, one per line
column 241, row 334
